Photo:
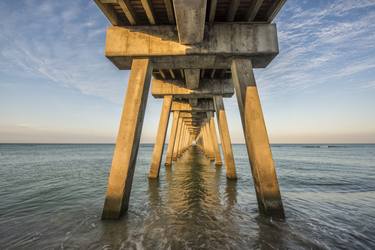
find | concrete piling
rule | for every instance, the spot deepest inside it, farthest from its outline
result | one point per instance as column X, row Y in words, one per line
column 172, row 139
column 215, row 144
column 160, row 137
column 226, row 144
column 256, row 137
column 127, row 143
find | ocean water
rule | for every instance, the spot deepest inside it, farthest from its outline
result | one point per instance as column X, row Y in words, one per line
column 51, row 197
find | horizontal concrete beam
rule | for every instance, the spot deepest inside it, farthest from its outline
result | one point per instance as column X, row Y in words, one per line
column 191, row 115
column 207, row 88
column 202, row 106
column 257, row 42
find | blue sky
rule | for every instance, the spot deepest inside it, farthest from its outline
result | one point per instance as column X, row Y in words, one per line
column 57, row 86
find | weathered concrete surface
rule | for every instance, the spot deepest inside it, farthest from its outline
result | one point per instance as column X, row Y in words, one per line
column 160, row 137
column 193, row 101
column 215, row 144
column 127, row 143
column 226, row 144
column 258, row 147
column 172, row 139
column 190, row 19
column 203, row 105
column 178, row 137
column 257, row 42
column 187, row 115
column 109, row 13
column 192, row 78
column 191, row 13
column 208, row 141
column 207, row 88
column 182, row 137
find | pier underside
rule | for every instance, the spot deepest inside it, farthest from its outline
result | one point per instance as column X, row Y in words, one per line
column 192, row 54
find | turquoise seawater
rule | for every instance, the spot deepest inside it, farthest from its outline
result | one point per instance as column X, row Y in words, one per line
column 51, row 196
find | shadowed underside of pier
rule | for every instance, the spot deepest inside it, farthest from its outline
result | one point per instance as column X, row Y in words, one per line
column 192, row 54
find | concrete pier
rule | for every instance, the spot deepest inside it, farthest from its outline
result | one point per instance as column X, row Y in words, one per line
column 225, row 138
column 172, row 139
column 197, row 55
column 160, row 137
column 210, row 143
column 258, row 147
column 178, row 137
column 215, row 144
column 127, row 143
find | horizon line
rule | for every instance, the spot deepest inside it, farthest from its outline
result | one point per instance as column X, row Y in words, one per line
column 150, row 143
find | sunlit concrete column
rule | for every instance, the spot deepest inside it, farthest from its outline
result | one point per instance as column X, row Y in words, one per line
column 180, row 139
column 180, row 145
column 182, row 142
column 211, row 154
column 178, row 136
column 172, row 138
column 186, row 140
column 212, row 151
column 258, row 147
column 204, row 140
column 127, row 143
column 226, row 144
column 160, row 137
column 215, row 144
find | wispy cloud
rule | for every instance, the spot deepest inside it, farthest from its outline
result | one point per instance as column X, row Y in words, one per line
column 321, row 44
column 58, row 42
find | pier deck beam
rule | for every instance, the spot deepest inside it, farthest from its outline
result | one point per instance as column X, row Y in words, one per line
column 190, row 19
column 226, row 144
column 258, row 147
column 172, row 139
column 160, row 137
column 127, row 143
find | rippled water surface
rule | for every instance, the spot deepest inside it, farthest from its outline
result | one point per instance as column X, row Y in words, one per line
column 51, row 196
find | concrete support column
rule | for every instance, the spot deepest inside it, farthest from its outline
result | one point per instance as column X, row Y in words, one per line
column 178, row 136
column 204, row 143
column 184, row 141
column 172, row 139
column 210, row 148
column 226, row 144
column 258, row 147
column 180, row 139
column 180, row 146
column 160, row 137
column 215, row 144
column 127, row 143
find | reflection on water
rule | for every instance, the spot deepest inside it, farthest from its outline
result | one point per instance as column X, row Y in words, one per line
column 52, row 196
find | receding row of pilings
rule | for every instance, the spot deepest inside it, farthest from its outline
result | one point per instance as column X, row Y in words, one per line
column 195, row 59
column 192, row 125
